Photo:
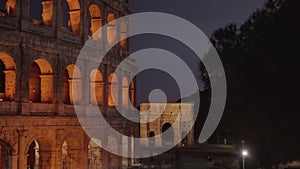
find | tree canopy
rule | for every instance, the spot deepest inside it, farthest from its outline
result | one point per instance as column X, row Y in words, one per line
column 260, row 58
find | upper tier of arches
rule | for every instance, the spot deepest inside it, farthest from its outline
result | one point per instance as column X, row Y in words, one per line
column 69, row 20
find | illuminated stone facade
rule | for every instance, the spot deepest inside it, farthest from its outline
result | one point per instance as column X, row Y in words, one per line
column 165, row 116
column 38, row 51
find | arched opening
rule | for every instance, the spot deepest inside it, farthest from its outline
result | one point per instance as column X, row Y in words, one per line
column 7, row 77
column 39, row 155
column 113, row 90
column 168, row 136
column 33, row 159
column 95, row 22
column 5, row 155
column 35, row 83
column 70, row 153
column 41, row 81
column 71, row 16
column 111, row 29
column 96, row 87
column 125, row 92
column 124, row 36
column 2, row 80
column 41, row 12
column 151, row 139
column 72, row 83
column 94, row 155
column 132, row 93
column 8, row 8
column 66, row 16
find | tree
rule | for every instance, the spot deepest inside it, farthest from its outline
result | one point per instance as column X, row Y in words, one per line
column 261, row 63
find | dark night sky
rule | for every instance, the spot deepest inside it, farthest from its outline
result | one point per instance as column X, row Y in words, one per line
column 208, row 15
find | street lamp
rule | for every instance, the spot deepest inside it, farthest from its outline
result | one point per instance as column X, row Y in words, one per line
column 244, row 153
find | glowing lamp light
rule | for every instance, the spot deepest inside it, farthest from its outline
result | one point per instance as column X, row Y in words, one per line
column 245, row 153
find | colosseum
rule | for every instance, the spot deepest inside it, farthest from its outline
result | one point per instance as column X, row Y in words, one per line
column 39, row 43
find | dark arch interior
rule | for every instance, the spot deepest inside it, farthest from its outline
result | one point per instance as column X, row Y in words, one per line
column 166, row 127
column 31, row 159
column 151, row 134
column 3, row 6
column 66, row 16
column 36, row 10
column 35, row 83
column 2, row 77
column 5, row 155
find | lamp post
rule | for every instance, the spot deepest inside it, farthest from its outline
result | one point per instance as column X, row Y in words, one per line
column 244, row 153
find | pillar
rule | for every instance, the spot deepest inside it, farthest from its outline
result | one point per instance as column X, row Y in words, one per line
column 76, row 86
column 10, row 84
column 46, row 88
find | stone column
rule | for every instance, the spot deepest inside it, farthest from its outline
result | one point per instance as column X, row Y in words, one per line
column 75, row 85
column 10, row 84
column 125, row 148
column 22, row 150
column 120, row 91
column 96, row 93
column 14, row 161
column 46, row 88
column 45, row 157
column 105, row 90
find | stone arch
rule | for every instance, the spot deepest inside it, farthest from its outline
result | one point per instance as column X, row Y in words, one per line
column 168, row 136
column 7, row 77
column 95, row 21
column 111, row 29
column 41, row 12
column 39, row 154
column 8, row 7
column 5, row 155
column 95, row 154
column 113, row 90
column 73, row 81
column 45, row 66
column 123, row 35
column 125, row 92
column 96, row 87
column 70, row 150
column 72, row 16
column 41, row 81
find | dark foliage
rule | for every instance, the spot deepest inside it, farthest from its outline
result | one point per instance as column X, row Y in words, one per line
column 261, row 63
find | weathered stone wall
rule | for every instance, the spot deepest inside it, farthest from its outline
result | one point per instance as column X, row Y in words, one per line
column 167, row 114
column 53, row 48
